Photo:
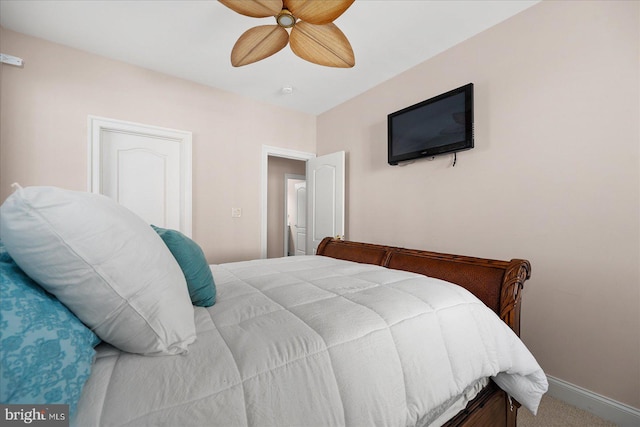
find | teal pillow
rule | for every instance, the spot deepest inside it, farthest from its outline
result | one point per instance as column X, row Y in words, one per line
column 46, row 352
column 190, row 258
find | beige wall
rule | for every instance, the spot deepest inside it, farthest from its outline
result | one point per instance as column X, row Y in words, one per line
column 554, row 178
column 43, row 133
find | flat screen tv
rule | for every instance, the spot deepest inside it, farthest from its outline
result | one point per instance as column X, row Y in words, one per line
column 439, row 125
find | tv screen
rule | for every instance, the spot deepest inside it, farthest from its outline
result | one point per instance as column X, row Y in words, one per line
column 440, row 125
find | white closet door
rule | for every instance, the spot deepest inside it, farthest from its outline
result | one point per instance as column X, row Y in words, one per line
column 145, row 168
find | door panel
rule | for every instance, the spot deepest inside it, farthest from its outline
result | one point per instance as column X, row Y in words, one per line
column 140, row 191
column 301, row 219
column 324, row 219
column 144, row 176
column 325, row 198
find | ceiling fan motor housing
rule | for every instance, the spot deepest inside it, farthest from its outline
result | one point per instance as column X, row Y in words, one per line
column 286, row 19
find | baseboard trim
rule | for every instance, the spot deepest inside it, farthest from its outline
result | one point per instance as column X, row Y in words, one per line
column 604, row 407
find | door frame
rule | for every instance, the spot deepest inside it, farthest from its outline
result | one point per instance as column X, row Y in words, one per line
column 267, row 151
column 98, row 125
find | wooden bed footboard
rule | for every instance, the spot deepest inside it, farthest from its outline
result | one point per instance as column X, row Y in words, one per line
column 497, row 283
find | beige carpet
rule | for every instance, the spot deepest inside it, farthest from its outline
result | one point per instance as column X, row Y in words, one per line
column 556, row 413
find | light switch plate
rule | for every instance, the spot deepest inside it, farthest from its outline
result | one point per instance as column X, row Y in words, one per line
column 236, row 212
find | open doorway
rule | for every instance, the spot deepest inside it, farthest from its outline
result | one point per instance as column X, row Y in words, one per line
column 325, row 191
column 270, row 152
column 282, row 216
column 295, row 215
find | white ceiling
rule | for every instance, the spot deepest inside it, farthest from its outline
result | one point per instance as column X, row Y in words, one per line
column 193, row 40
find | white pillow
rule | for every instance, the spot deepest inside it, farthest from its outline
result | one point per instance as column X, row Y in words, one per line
column 104, row 263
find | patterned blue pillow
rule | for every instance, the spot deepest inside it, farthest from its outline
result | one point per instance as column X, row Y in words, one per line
column 45, row 351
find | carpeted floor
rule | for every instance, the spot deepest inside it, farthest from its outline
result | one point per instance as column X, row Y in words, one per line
column 555, row 413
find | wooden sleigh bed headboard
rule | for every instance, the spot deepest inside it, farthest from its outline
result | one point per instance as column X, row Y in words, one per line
column 497, row 283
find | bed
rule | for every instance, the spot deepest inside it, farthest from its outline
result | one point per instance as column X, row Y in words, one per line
column 358, row 334
column 498, row 284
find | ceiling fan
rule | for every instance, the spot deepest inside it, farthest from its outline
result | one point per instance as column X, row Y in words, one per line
column 314, row 37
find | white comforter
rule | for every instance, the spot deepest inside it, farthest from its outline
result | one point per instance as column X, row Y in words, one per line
column 314, row 341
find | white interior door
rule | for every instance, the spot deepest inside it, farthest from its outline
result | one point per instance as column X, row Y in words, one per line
column 146, row 169
column 292, row 202
column 325, row 198
column 301, row 218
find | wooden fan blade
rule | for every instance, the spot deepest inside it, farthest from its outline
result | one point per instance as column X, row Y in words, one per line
column 258, row 43
column 317, row 12
column 254, row 8
column 322, row 44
